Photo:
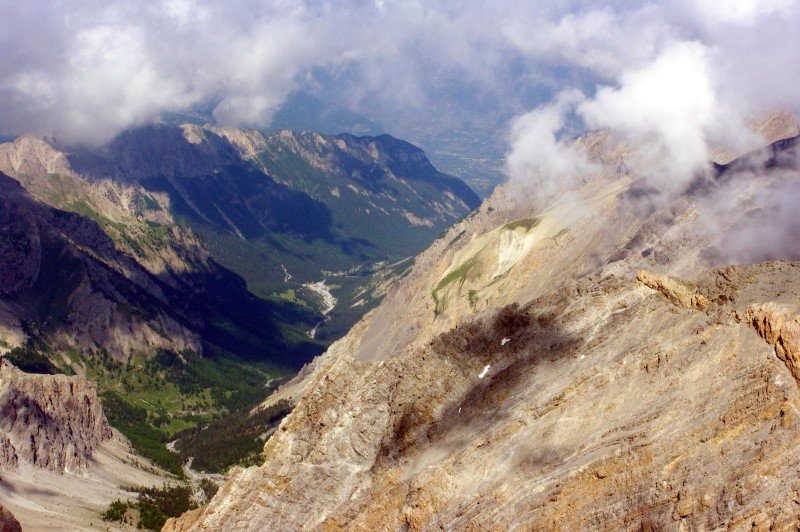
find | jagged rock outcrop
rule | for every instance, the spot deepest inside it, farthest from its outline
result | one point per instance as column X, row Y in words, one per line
column 51, row 421
column 779, row 325
column 672, row 289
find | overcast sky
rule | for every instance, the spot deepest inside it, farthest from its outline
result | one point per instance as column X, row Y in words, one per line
column 681, row 74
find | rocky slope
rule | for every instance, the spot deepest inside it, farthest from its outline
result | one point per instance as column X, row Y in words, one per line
column 63, row 274
column 590, row 364
column 66, row 282
column 139, row 222
column 50, row 421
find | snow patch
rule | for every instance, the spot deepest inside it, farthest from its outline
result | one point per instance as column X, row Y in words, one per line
column 485, row 371
column 504, row 341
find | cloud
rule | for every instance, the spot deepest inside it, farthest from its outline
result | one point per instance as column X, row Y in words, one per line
column 678, row 80
column 595, row 39
column 96, row 68
column 539, row 156
column 85, row 69
column 666, row 110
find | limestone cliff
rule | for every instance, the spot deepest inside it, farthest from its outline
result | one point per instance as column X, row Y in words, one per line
column 50, row 421
column 521, row 377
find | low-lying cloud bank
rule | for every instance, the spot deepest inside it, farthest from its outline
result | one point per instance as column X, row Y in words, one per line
column 83, row 70
column 675, row 77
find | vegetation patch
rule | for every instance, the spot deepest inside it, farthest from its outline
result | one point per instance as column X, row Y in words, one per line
column 472, row 295
column 235, row 440
column 151, row 399
column 290, row 295
column 30, row 360
column 152, row 507
column 134, row 422
column 526, row 223
column 456, row 275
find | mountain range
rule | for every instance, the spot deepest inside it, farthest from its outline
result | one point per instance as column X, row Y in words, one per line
column 612, row 357
column 593, row 363
column 281, row 210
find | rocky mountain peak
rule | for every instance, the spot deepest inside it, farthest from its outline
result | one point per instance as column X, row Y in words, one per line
column 34, row 156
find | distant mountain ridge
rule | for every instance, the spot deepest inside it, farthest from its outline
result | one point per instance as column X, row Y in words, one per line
column 64, row 280
column 280, row 209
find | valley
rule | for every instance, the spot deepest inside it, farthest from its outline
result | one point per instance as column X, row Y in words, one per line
column 116, row 269
column 480, row 341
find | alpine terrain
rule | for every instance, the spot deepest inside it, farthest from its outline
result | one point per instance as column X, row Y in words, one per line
column 121, row 268
column 272, row 265
column 593, row 363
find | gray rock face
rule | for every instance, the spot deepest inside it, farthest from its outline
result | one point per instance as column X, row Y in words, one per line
column 51, row 421
column 61, row 268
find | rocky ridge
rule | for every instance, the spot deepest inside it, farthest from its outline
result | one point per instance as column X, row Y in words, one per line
column 521, row 377
column 139, row 222
column 61, row 268
column 247, row 192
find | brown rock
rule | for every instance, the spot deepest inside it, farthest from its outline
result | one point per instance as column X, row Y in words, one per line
column 8, row 523
column 768, row 320
column 432, row 422
column 673, row 289
column 779, row 325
